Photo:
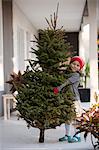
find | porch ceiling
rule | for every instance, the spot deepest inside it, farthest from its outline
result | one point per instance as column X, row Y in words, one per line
column 69, row 14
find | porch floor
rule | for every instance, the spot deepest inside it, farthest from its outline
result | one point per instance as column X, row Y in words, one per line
column 14, row 135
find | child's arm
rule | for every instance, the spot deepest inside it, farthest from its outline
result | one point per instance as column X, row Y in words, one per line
column 71, row 80
column 59, row 88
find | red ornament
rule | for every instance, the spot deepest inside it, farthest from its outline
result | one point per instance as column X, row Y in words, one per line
column 56, row 91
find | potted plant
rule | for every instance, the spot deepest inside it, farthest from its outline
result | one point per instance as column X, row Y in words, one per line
column 84, row 91
column 89, row 123
column 86, row 73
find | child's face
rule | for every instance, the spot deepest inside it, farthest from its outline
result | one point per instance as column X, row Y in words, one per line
column 75, row 66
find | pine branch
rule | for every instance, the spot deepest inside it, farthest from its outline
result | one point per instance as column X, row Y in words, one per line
column 53, row 21
column 36, row 37
column 33, row 49
column 48, row 23
column 57, row 11
column 34, row 41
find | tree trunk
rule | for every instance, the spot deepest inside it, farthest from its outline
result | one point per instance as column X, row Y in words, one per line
column 41, row 138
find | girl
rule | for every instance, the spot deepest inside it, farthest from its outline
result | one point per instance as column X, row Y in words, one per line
column 76, row 64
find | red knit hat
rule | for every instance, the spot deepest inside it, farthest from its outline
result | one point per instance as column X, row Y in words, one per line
column 79, row 59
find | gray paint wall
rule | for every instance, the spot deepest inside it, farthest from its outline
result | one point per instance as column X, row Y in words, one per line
column 1, row 103
column 7, row 46
column 7, row 41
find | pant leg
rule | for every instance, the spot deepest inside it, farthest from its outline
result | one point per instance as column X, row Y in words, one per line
column 79, row 109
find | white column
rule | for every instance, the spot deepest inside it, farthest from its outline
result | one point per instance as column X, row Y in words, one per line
column 93, row 47
column 84, row 43
column 84, row 39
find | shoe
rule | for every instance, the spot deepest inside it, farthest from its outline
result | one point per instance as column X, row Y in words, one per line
column 65, row 138
column 74, row 139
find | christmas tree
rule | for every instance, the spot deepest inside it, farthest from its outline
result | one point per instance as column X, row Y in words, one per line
column 36, row 101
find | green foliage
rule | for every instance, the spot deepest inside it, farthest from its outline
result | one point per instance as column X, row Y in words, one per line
column 89, row 123
column 86, row 73
column 37, row 103
column 52, row 49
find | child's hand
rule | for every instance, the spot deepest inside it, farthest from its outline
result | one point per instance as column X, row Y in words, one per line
column 56, row 90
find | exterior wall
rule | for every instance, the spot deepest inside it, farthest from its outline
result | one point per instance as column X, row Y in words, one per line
column 93, row 18
column 17, row 33
column 1, row 50
column 24, row 32
column 88, row 45
column 1, row 59
column 7, row 41
column 1, row 103
column 84, row 43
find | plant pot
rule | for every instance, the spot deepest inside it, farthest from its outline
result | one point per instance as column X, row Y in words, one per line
column 84, row 94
